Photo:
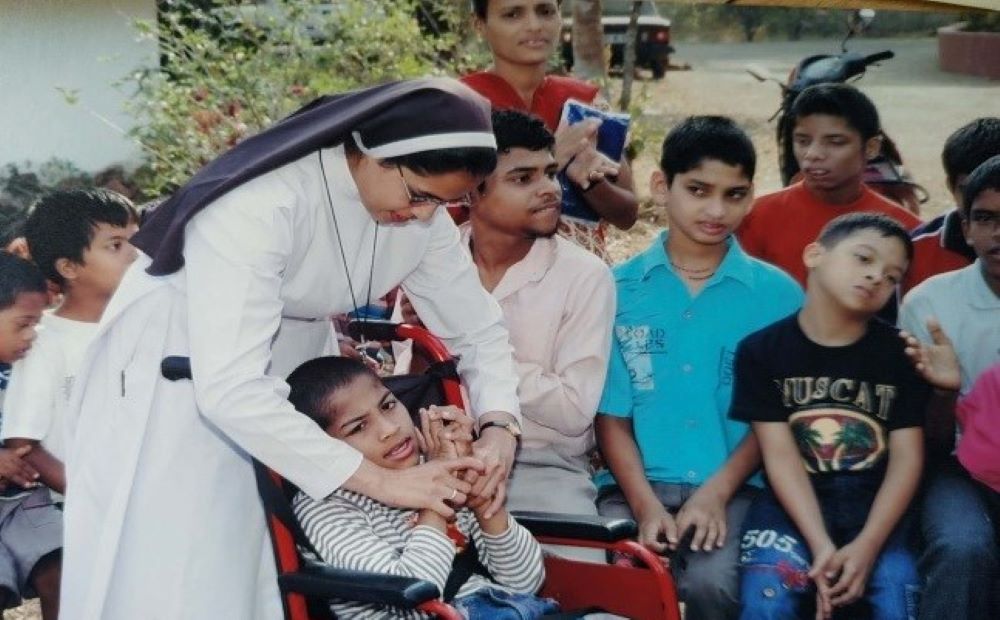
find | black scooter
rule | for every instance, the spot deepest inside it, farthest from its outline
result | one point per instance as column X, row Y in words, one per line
column 885, row 173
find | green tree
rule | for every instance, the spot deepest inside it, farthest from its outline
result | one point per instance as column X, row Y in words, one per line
column 851, row 436
column 227, row 71
column 588, row 40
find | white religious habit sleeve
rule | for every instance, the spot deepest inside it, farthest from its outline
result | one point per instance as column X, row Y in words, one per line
column 234, row 277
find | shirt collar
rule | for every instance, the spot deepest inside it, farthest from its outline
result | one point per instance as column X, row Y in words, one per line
column 979, row 293
column 532, row 268
column 735, row 264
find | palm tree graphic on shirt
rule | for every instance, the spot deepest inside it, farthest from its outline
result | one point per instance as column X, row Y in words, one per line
column 852, row 437
column 810, row 439
column 837, row 439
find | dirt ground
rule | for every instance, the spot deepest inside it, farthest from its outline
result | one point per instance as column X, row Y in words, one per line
column 919, row 106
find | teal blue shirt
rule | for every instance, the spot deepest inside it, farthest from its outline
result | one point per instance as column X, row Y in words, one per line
column 671, row 365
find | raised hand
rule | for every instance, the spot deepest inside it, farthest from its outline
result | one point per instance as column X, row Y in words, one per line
column 496, row 448
column 936, row 361
column 445, row 432
column 433, row 485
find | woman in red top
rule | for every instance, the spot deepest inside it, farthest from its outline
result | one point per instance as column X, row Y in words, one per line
column 522, row 35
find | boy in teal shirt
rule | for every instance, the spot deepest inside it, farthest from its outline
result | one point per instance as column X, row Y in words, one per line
column 679, row 465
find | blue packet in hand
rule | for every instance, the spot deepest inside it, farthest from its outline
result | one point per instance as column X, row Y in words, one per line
column 611, row 137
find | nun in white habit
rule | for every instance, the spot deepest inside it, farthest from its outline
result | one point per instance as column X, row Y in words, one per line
column 240, row 271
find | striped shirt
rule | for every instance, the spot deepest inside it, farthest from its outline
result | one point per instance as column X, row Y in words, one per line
column 355, row 532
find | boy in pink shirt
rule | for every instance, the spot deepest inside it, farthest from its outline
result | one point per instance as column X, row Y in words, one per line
column 979, row 413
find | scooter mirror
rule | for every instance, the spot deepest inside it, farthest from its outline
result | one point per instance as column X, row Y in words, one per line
column 859, row 21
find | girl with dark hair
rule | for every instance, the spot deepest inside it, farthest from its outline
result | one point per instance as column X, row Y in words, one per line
column 522, row 35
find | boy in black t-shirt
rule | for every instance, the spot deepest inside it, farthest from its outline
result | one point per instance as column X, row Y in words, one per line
column 837, row 408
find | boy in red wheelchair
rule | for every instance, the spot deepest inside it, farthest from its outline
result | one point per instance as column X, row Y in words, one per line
column 353, row 531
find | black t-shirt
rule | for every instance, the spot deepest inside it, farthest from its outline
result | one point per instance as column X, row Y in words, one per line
column 841, row 402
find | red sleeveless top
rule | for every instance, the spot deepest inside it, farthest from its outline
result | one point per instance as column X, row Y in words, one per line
column 547, row 102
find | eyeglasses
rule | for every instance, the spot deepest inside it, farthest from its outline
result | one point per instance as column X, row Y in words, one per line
column 985, row 219
column 416, row 201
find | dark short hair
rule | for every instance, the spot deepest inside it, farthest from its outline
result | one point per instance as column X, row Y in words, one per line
column 12, row 221
column 970, row 146
column 314, row 382
column 18, row 276
column 985, row 177
column 514, row 129
column 478, row 161
column 61, row 224
column 840, row 100
column 842, row 227
column 480, row 7
column 697, row 138
column 475, row 160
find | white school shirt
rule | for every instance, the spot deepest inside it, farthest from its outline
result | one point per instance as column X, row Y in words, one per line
column 559, row 305
column 41, row 383
column 969, row 313
column 162, row 511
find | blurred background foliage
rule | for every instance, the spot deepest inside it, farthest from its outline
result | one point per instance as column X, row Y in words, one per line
column 228, row 68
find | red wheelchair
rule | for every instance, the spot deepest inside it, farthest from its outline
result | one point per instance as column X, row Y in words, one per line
column 644, row 591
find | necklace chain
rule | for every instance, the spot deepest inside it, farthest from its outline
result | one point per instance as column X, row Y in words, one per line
column 343, row 255
column 689, row 270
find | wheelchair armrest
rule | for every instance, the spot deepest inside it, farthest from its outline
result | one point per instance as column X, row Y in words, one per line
column 316, row 579
column 581, row 527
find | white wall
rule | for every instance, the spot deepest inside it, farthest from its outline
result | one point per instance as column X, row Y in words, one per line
column 82, row 45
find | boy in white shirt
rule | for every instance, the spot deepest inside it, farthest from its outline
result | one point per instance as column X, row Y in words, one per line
column 30, row 525
column 79, row 239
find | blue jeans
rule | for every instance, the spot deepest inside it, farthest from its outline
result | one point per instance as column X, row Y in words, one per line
column 960, row 562
column 707, row 581
column 775, row 561
column 498, row 604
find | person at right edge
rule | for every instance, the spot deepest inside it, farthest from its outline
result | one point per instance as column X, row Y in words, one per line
column 960, row 560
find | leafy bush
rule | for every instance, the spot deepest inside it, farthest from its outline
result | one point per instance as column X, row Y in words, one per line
column 982, row 21
column 228, row 71
column 21, row 184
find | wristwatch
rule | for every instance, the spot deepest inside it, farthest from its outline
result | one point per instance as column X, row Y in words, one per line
column 511, row 427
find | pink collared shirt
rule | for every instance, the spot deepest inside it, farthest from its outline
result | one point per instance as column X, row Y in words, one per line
column 979, row 414
column 558, row 304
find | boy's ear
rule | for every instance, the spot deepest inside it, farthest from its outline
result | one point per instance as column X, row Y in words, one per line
column 955, row 189
column 659, row 188
column 477, row 194
column 67, row 269
column 963, row 218
column 813, row 254
column 873, row 146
